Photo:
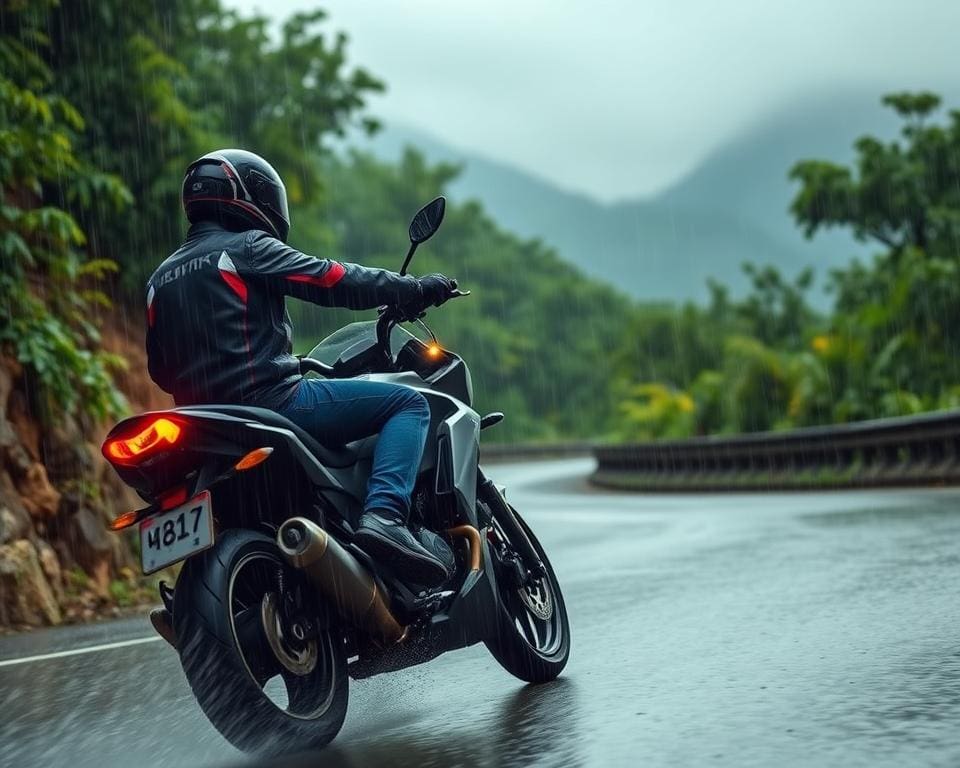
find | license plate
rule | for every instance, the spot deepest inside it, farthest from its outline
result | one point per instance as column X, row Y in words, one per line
column 170, row 537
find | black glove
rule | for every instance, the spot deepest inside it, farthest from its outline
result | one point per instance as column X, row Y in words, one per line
column 436, row 289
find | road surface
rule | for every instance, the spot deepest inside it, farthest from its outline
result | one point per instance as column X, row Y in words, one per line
column 726, row 630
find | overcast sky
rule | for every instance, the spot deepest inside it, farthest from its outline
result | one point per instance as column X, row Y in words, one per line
column 618, row 98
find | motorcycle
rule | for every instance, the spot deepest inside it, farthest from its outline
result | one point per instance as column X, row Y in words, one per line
column 275, row 607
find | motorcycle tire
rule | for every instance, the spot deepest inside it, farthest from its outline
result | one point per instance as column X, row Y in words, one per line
column 533, row 631
column 221, row 675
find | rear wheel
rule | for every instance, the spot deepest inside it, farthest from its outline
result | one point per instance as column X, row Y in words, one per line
column 533, row 637
column 265, row 665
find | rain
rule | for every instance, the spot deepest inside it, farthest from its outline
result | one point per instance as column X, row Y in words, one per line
column 552, row 386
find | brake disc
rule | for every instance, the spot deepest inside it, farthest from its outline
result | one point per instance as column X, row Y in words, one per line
column 536, row 597
column 300, row 661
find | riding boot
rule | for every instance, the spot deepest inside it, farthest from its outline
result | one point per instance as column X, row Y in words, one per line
column 385, row 536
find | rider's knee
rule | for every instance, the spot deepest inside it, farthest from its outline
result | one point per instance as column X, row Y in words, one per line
column 414, row 401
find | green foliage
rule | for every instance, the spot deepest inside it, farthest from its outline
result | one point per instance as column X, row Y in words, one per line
column 891, row 346
column 121, row 593
column 153, row 85
column 708, row 391
column 758, row 386
column 47, row 284
column 654, row 410
column 77, row 581
column 179, row 79
column 776, row 311
column 664, row 344
column 536, row 333
column 154, row 98
column 282, row 100
column 901, row 193
column 896, row 319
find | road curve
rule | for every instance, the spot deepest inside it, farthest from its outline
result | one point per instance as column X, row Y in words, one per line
column 730, row 630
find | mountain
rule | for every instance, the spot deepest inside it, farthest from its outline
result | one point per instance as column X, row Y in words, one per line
column 731, row 208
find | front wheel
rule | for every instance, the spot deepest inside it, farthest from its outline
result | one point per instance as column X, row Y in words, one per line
column 533, row 631
column 265, row 665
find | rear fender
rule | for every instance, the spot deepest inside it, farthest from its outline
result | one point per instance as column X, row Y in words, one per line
column 212, row 443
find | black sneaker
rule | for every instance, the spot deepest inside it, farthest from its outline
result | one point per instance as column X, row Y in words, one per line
column 436, row 545
column 390, row 542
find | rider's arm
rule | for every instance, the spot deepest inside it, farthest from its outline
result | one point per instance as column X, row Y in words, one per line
column 323, row 281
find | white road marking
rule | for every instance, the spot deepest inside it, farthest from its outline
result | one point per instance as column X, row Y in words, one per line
column 79, row 651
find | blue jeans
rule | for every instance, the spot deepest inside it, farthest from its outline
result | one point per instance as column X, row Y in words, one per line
column 344, row 410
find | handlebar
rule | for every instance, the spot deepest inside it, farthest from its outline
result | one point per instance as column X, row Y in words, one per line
column 393, row 315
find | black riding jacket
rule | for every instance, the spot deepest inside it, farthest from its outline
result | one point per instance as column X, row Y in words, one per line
column 217, row 327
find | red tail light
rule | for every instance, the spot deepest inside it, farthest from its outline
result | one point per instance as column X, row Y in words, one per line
column 172, row 498
column 158, row 434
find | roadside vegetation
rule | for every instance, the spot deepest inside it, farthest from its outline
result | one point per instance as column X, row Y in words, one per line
column 94, row 144
column 94, row 138
column 889, row 347
column 104, row 102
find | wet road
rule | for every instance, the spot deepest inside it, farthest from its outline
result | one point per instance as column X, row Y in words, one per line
column 733, row 630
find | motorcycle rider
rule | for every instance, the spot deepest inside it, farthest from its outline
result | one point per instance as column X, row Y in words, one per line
column 218, row 332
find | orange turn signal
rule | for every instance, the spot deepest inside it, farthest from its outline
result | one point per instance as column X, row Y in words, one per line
column 128, row 450
column 123, row 521
column 256, row 456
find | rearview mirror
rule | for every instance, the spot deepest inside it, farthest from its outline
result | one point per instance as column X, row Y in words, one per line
column 427, row 221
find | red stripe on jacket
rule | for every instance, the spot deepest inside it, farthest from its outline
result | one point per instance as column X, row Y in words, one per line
column 239, row 287
column 327, row 280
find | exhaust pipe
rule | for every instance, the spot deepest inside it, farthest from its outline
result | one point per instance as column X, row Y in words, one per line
column 339, row 577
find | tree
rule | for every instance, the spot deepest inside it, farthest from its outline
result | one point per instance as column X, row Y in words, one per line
column 901, row 193
column 896, row 319
column 284, row 100
column 537, row 334
column 179, row 79
column 47, row 283
column 776, row 310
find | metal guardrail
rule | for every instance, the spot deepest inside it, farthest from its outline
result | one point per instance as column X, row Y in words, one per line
column 905, row 451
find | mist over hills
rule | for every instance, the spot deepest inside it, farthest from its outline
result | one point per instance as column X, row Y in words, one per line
column 731, row 208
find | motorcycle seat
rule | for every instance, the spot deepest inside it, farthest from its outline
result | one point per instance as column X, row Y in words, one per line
column 330, row 456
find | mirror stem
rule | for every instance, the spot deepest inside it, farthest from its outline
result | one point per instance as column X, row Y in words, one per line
column 406, row 261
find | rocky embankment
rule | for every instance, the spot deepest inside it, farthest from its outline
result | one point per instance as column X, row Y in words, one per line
column 58, row 561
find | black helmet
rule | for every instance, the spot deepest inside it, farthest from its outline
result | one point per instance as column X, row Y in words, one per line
column 239, row 189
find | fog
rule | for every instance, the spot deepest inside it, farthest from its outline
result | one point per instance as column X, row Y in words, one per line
column 619, row 98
